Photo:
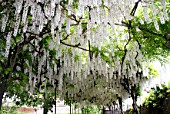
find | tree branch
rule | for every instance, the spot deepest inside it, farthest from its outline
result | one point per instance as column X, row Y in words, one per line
column 42, row 9
column 125, row 47
column 90, row 55
column 135, row 8
column 75, row 46
column 149, row 31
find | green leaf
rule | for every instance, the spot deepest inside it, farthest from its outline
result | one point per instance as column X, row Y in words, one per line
column 7, row 70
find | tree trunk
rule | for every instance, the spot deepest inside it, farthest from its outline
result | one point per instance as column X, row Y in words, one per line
column 70, row 106
column 103, row 109
column 45, row 111
column 10, row 64
column 55, row 90
column 3, row 87
column 120, row 104
column 135, row 107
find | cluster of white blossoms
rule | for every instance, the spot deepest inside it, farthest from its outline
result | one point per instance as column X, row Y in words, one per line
column 77, row 25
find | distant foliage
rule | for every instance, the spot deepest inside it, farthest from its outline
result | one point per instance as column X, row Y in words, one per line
column 157, row 98
column 11, row 110
column 91, row 110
